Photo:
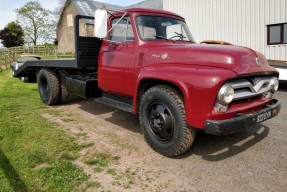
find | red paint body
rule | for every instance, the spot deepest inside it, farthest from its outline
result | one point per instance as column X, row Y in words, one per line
column 197, row 70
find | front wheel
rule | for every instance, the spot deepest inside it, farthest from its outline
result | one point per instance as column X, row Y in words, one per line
column 162, row 118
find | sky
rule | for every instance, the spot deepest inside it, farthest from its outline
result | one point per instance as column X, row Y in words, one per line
column 7, row 7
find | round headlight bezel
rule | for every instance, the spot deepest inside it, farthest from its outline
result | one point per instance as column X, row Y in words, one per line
column 225, row 94
column 274, row 84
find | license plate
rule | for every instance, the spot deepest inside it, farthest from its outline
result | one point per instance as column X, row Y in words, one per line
column 263, row 116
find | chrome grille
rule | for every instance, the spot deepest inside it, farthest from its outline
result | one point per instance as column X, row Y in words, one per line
column 252, row 87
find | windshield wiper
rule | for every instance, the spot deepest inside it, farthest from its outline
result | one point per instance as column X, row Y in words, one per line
column 161, row 37
column 180, row 35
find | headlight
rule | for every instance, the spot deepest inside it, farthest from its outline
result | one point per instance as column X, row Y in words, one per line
column 274, row 84
column 225, row 95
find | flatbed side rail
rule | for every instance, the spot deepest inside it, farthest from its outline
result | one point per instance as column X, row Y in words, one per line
column 30, row 66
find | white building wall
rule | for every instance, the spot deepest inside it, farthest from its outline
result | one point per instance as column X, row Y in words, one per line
column 240, row 22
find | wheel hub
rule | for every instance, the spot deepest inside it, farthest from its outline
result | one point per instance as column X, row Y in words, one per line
column 161, row 121
column 157, row 120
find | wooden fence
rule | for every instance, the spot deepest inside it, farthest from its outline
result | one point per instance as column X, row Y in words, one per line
column 8, row 56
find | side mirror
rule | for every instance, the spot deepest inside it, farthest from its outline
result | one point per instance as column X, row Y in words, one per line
column 101, row 17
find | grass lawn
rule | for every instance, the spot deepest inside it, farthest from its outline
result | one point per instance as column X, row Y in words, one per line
column 31, row 147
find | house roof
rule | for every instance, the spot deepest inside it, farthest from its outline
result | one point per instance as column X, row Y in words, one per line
column 88, row 7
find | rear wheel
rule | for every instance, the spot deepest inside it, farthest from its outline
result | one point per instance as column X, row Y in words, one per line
column 48, row 86
column 162, row 118
column 64, row 94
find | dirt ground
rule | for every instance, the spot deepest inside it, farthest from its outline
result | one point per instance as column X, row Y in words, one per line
column 254, row 160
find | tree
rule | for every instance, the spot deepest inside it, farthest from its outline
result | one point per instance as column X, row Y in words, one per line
column 12, row 35
column 37, row 22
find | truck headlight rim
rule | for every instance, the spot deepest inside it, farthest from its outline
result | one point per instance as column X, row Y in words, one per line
column 225, row 94
column 274, row 84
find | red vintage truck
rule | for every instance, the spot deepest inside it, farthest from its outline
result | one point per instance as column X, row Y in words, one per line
column 146, row 62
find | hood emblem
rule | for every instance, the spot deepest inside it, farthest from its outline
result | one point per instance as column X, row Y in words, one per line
column 258, row 62
column 164, row 56
column 255, row 80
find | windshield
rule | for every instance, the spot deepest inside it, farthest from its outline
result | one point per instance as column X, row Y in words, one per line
column 158, row 27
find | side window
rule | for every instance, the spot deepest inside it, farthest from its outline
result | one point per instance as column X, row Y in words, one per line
column 122, row 30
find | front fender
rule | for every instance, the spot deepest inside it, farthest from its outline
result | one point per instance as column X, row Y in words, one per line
column 199, row 86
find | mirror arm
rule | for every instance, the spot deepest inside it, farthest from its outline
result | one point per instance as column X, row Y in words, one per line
column 117, row 22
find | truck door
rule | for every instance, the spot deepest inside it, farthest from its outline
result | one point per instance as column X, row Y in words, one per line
column 116, row 72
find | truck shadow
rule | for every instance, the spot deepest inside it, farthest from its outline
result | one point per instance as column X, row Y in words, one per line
column 283, row 86
column 120, row 118
column 211, row 148
column 11, row 174
column 217, row 148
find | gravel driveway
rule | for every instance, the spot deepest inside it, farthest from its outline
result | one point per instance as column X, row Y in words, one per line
column 255, row 160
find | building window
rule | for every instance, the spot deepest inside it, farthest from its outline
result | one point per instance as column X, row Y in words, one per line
column 277, row 34
column 70, row 20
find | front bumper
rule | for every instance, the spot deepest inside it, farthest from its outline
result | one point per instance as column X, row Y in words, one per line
column 242, row 121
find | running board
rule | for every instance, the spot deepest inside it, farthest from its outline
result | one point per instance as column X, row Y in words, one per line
column 115, row 103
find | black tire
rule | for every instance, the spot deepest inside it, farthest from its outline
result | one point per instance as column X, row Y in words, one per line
column 48, row 86
column 162, row 118
column 64, row 94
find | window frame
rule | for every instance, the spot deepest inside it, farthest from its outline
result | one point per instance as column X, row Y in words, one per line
column 187, row 30
column 126, row 29
column 281, row 25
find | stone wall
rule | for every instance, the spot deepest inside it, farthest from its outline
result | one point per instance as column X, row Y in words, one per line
column 65, row 34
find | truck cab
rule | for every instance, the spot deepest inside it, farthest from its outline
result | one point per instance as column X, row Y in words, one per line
column 133, row 33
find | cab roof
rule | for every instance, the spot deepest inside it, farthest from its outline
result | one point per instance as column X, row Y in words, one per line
column 145, row 10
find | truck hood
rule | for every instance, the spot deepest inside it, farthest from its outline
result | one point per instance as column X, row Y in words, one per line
column 241, row 60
